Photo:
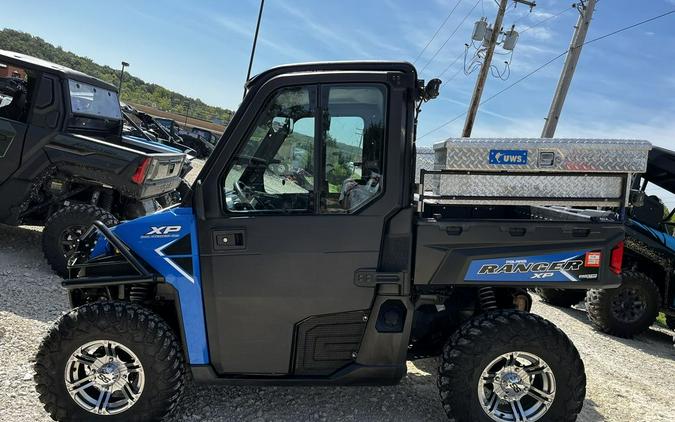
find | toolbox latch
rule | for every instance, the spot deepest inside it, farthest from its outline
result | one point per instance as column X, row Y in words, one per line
column 546, row 159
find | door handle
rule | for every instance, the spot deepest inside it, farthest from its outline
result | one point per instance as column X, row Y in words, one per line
column 225, row 240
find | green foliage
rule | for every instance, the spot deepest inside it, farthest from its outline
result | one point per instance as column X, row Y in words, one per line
column 134, row 90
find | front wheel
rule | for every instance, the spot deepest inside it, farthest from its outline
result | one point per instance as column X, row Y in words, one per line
column 511, row 366
column 109, row 361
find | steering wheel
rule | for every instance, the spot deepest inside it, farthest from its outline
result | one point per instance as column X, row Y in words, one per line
column 240, row 188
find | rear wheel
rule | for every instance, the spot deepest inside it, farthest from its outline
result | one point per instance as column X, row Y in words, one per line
column 109, row 361
column 561, row 297
column 511, row 366
column 64, row 227
column 627, row 310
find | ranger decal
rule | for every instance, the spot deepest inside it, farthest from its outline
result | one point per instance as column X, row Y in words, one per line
column 565, row 267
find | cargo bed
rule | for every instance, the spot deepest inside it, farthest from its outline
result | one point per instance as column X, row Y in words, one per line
column 520, row 212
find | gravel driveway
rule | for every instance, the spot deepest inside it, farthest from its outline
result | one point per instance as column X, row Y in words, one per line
column 628, row 380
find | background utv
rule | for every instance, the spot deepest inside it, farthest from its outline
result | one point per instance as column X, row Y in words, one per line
column 63, row 161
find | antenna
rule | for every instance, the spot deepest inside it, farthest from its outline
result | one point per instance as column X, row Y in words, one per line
column 255, row 41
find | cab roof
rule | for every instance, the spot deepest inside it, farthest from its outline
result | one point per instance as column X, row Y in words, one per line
column 367, row 65
column 661, row 168
column 29, row 62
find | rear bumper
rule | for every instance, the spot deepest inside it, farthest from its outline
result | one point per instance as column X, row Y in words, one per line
column 153, row 188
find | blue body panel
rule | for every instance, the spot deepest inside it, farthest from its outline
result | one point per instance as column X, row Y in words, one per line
column 666, row 239
column 151, row 238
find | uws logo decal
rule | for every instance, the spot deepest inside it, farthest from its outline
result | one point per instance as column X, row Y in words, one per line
column 163, row 231
column 509, row 157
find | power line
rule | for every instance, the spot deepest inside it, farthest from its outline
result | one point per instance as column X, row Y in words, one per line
column 630, row 27
column 567, row 9
column 548, row 63
column 451, row 64
column 437, row 31
column 450, row 37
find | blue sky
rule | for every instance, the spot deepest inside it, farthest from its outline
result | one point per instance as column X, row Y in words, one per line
column 624, row 85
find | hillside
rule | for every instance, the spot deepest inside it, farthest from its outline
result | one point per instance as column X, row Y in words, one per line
column 135, row 89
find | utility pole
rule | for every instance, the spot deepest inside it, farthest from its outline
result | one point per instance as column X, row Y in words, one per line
column 586, row 9
column 484, row 70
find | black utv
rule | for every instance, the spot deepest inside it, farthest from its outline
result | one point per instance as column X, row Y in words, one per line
column 63, row 160
column 647, row 285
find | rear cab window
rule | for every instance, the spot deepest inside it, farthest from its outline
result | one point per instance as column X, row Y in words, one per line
column 93, row 101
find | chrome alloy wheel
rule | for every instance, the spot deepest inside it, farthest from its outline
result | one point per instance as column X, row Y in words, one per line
column 104, row 377
column 516, row 387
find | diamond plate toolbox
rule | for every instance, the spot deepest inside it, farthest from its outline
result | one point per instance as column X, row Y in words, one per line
column 538, row 155
column 580, row 172
column 425, row 161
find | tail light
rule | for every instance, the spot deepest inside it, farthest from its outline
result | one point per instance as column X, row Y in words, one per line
column 141, row 171
column 616, row 258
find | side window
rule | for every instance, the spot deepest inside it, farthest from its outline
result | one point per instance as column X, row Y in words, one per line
column 273, row 171
column 16, row 85
column 353, row 129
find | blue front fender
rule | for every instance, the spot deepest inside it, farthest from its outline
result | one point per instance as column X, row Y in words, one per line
column 167, row 241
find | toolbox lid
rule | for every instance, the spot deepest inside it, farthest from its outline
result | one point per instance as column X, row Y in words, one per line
column 542, row 155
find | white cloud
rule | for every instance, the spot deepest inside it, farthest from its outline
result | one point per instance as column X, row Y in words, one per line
column 330, row 37
column 539, row 15
column 539, row 33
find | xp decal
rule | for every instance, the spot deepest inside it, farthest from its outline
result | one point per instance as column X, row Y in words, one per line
column 570, row 267
column 163, row 231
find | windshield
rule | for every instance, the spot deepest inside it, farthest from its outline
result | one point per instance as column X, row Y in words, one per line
column 94, row 101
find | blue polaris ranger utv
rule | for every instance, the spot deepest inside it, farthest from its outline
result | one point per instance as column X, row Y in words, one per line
column 306, row 254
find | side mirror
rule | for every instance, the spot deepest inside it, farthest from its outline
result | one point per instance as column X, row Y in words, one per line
column 282, row 122
column 432, row 89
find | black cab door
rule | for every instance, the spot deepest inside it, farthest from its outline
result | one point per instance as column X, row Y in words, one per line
column 296, row 196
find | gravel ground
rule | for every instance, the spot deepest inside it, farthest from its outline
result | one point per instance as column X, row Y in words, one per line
column 628, row 380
